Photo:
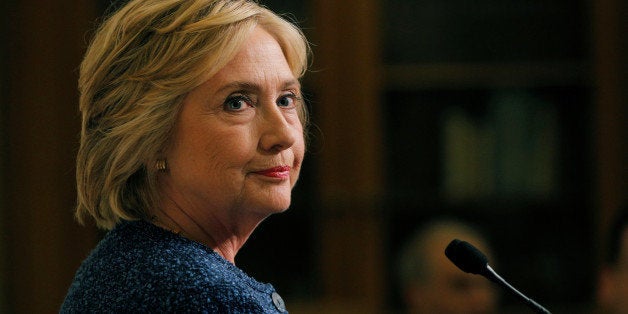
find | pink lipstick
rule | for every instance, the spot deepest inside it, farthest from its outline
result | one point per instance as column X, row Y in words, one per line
column 280, row 172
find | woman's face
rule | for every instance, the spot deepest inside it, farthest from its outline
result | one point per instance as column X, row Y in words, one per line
column 238, row 143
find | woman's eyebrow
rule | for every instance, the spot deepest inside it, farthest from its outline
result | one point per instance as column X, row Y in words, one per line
column 292, row 83
column 238, row 85
column 252, row 87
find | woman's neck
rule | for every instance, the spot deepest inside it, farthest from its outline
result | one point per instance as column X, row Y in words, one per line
column 223, row 235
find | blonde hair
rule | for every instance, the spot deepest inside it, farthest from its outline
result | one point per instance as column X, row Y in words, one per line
column 140, row 64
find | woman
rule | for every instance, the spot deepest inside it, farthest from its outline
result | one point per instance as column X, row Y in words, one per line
column 192, row 134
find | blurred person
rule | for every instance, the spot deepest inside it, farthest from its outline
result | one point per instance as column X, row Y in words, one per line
column 612, row 290
column 430, row 283
column 192, row 134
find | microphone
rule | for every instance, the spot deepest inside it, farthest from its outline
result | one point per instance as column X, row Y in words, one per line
column 471, row 260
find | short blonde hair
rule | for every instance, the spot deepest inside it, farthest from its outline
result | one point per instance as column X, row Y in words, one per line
column 139, row 66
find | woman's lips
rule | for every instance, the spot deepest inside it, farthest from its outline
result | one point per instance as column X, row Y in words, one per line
column 276, row 172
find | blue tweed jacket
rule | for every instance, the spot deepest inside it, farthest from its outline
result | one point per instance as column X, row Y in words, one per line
column 139, row 267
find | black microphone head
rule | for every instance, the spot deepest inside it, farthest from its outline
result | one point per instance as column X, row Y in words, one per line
column 466, row 257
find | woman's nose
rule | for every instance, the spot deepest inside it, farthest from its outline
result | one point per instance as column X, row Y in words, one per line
column 277, row 133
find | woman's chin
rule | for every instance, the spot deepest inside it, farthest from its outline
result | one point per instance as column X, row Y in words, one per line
column 275, row 207
column 280, row 207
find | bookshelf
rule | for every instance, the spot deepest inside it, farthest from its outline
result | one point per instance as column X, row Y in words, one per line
column 487, row 118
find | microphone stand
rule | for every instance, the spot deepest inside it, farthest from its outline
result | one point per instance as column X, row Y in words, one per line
column 493, row 276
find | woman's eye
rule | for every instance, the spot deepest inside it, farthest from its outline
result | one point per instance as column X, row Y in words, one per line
column 287, row 101
column 236, row 103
